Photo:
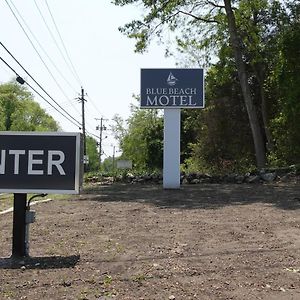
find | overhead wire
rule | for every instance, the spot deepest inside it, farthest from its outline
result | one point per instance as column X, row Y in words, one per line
column 17, row 61
column 92, row 134
column 11, row 68
column 50, row 104
column 37, row 52
column 94, row 105
column 101, row 114
column 73, row 70
column 75, row 74
column 55, row 42
column 77, row 124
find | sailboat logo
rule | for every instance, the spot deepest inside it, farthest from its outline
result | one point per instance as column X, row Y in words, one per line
column 171, row 79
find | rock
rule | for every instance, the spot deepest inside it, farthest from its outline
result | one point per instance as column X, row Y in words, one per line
column 147, row 178
column 231, row 178
column 184, row 181
column 195, row 181
column 239, row 179
column 286, row 178
column 157, row 266
column 191, row 177
column 66, row 284
column 172, row 297
column 268, row 177
column 253, row 179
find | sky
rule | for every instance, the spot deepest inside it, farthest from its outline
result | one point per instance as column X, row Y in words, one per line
column 103, row 59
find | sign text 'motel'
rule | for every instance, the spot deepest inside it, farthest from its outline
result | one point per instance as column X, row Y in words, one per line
column 34, row 162
column 172, row 88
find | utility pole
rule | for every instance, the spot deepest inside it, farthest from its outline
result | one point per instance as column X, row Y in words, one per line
column 101, row 128
column 113, row 160
column 82, row 100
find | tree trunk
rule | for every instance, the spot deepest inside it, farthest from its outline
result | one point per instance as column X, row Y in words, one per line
column 260, row 75
column 259, row 146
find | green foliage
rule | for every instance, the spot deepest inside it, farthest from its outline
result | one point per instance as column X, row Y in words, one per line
column 142, row 141
column 285, row 81
column 19, row 112
column 91, row 150
column 107, row 166
column 167, row 16
column 219, row 137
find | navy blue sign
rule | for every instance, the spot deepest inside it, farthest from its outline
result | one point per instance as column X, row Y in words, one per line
column 172, row 88
column 34, row 162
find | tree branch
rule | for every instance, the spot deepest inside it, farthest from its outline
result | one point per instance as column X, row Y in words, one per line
column 198, row 18
column 214, row 4
column 163, row 21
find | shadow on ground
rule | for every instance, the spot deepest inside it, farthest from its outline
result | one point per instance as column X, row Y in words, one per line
column 204, row 196
column 49, row 262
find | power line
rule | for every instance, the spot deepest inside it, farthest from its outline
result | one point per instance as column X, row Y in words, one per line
column 36, row 50
column 55, row 42
column 37, row 82
column 96, row 108
column 94, row 105
column 51, row 105
column 44, row 63
column 64, row 46
column 22, row 81
column 92, row 134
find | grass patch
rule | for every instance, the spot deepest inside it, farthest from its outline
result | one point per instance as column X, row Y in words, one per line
column 7, row 200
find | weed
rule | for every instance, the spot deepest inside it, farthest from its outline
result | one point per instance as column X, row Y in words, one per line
column 107, row 280
column 139, row 278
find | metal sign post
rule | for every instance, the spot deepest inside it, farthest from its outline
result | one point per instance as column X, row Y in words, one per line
column 19, row 226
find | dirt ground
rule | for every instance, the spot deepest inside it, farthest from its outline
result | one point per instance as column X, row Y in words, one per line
column 142, row 242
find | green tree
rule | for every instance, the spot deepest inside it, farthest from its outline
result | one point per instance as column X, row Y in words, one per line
column 219, row 135
column 216, row 16
column 257, row 41
column 284, row 85
column 107, row 165
column 92, row 152
column 19, row 112
column 142, row 141
column 273, row 68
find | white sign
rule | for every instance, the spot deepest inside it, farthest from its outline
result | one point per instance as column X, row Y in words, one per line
column 124, row 164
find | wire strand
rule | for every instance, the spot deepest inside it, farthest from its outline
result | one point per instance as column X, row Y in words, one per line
column 37, row 82
column 94, row 105
column 55, row 42
column 64, row 46
column 39, row 55
column 39, row 93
